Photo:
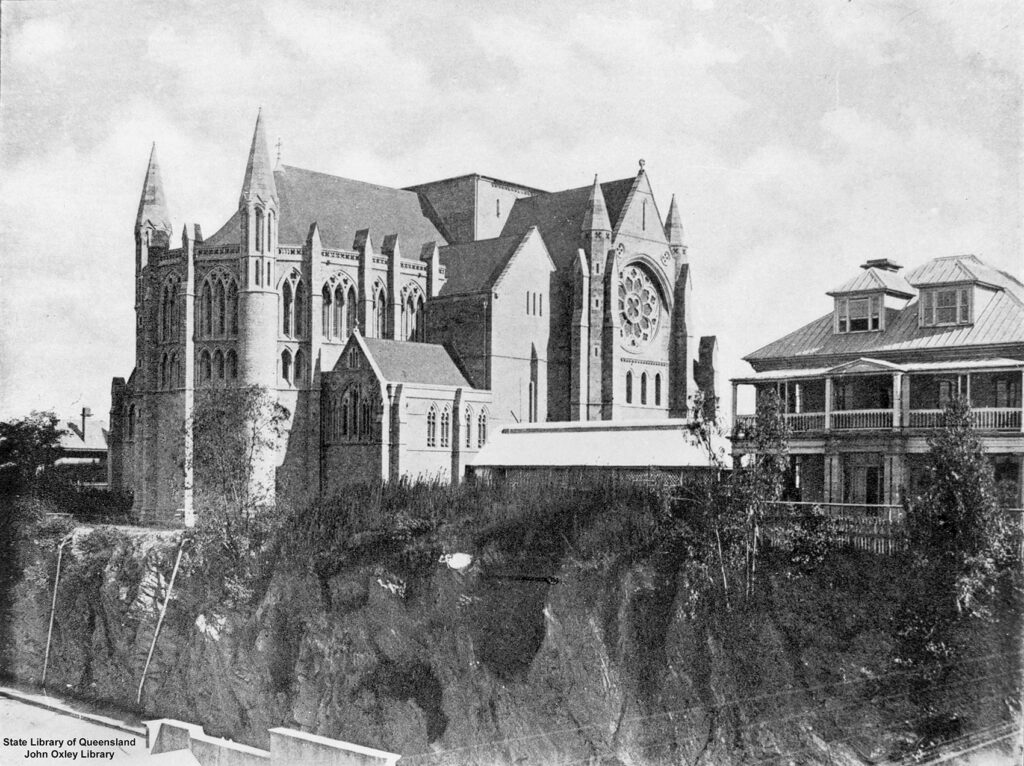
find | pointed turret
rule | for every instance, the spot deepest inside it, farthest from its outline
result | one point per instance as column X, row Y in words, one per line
column 153, row 205
column 596, row 216
column 674, row 224
column 259, row 174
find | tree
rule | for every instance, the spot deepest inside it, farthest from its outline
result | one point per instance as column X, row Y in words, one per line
column 27, row 447
column 762, row 482
column 956, row 527
column 236, row 434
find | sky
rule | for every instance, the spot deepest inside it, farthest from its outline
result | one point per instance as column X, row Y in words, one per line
column 801, row 139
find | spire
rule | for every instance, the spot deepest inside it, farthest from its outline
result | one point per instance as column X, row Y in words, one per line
column 596, row 216
column 674, row 224
column 153, row 204
column 259, row 174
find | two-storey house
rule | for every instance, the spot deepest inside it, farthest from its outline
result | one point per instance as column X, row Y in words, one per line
column 864, row 386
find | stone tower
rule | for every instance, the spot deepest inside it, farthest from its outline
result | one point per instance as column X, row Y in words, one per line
column 596, row 233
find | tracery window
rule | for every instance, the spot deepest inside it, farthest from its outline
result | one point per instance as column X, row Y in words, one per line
column 481, row 429
column 432, row 426
column 232, row 308
column 640, row 307
column 219, row 308
column 412, row 314
column 293, row 307
column 446, row 427
column 206, row 310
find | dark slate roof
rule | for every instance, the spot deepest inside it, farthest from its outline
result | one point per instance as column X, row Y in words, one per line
column 475, row 266
column 1001, row 321
column 341, row 207
column 406, row 362
column 559, row 216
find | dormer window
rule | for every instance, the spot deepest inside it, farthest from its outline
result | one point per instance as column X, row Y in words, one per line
column 945, row 306
column 859, row 314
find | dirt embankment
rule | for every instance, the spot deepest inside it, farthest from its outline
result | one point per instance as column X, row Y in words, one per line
column 519, row 659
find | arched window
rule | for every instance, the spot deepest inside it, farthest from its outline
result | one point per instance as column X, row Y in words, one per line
column 351, row 308
column 481, row 429
column 353, row 430
column 366, row 417
column 218, row 364
column 345, row 406
column 175, row 373
column 286, row 308
column 300, row 367
column 467, row 423
column 259, row 230
column 162, row 324
column 219, row 308
column 163, row 371
column 286, row 366
column 340, row 301
column 271, row 222
column 206, row 311
column 204, row 365
column 259, row 272
column 432, row 426
column 446, row 427
column 233, row 308
column 643, row 388
column 534, row 384
column 420, row 332
column 131, row 422
column 380, row 312
column 232, row 364
column 657, row 389
column 300, row 310
column 325, row 311
column 629, row 387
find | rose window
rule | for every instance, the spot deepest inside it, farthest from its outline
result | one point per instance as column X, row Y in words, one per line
column 639, row 307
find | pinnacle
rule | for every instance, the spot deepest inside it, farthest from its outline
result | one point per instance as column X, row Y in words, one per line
column 674, row 224
column 596, row 216
column 259, row 173
column 153, row 204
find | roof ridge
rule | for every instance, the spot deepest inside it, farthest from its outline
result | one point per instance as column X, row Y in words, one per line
column 344, row 178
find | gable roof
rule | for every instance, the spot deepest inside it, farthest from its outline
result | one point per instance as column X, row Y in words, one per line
column 1001, row 321
column 341, row 207
column 559, row 217
column 475, row 266
column 408, row 362
column 876, row 279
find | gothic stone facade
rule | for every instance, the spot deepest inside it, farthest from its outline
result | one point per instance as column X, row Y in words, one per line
column 469, row 301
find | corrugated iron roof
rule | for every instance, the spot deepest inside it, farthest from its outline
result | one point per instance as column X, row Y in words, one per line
column 407, row 362
column 875, row 279
column 607, row 444
column 1001, row 321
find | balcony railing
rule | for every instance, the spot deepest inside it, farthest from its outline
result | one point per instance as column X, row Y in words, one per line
column 852, row 419
column 805, row 421
column 985, row 418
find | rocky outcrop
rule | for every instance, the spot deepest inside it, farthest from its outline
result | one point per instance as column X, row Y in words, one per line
column 526, row 661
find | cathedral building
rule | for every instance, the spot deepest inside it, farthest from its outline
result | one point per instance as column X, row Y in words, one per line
column 400, row 327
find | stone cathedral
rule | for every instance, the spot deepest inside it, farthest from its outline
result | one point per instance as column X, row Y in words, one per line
column 400, row 327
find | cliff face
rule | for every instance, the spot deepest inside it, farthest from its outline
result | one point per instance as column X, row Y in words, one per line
column 531, row 660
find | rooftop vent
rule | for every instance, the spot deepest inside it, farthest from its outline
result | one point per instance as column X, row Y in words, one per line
column 883, row 264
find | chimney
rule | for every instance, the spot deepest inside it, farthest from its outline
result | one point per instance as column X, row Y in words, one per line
column 86, row 413
column 882, row 264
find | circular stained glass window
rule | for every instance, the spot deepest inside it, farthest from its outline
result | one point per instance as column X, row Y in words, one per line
column 639, row 307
